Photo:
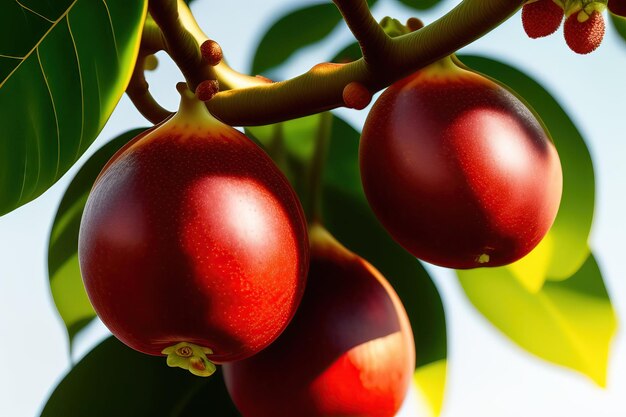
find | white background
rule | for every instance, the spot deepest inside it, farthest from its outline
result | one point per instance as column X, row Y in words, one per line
column 488, row 375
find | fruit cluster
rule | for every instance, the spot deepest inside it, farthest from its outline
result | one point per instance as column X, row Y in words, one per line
column 584, row 24
column 194, row 245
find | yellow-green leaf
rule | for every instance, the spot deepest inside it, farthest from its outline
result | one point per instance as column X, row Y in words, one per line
column 570, row 322
column 66, row 283
column 431, row 382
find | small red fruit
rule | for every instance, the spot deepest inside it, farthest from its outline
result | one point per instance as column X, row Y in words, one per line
column 349, row 350
column 193, row 244
column 458, row 170
column 541, row 18
column 584, row 32
column 356, row 96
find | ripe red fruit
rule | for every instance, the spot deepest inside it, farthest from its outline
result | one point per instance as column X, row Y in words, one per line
column 458, row 170
column 617, row 7
column 348, row 351
column 584, row 32
column 192, row 242
column 541, row 18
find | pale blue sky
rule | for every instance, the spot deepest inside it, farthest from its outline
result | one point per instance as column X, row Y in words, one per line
column 488, row 375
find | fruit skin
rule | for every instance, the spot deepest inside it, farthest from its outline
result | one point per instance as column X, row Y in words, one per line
column 617, row 7
column 192, row 234
column 349, row 350
column 541, row 18
column 458, row 170
column 584, row 32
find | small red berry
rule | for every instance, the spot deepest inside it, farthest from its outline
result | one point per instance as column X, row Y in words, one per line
column 413, row 23
column 541, row 18
column 207, row 89
column 211, row 52
column 356, row 96
column 584, row 32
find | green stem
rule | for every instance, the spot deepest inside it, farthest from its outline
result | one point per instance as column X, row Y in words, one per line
column 316, row 170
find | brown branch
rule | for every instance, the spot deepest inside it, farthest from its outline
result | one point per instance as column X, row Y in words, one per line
column 180, row 43
column 372, row 39
column 251, row 101
column 139, row 94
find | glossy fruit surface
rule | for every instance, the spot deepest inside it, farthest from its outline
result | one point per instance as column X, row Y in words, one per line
column 541, row 18
column 617, row 7
column 458, row 170
column 191, row 234
column 348, row 351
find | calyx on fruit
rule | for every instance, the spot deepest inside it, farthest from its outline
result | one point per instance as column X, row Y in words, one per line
column 458, row 170
column 349, row 350
column 193, row 244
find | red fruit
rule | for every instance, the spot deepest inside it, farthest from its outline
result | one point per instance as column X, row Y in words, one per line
column 348, row 351
column 193, row 242
column 458, row 170
column 584, row 32
column 541, row 18
column 617, row 7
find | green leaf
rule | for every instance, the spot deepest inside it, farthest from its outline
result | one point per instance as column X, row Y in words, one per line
column 565, row 248
column 292, row 32
column 348, row 216
column 114, row 380
column 619, row 23
column 64, row 65
column 66, row 283
column 570, row 322
column 350, row 53
column 291, row 145
column 420, row 4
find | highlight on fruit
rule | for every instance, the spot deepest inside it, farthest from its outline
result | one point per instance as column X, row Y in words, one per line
column 349, row 351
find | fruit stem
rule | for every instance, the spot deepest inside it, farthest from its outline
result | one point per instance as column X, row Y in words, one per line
column 191, row 108
column 191, row 357
column 316, row 171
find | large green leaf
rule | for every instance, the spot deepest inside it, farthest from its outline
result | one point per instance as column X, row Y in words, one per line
column 570, row 322
column 63, row 270
column 420, row 4
column 348, row 216
column 64, row 65
column 619, row 23
column 114, row 380
column 565, row 248
column 291, row 145
column 292, row 32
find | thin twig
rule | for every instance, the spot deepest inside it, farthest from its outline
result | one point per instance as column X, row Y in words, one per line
column 251, row 101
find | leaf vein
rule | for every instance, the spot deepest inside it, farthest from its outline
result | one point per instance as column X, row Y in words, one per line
column 106, row 6
column 11, row 56
column 82, row 94
column 52, row 26
column 56, row 117
column 34, row 12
